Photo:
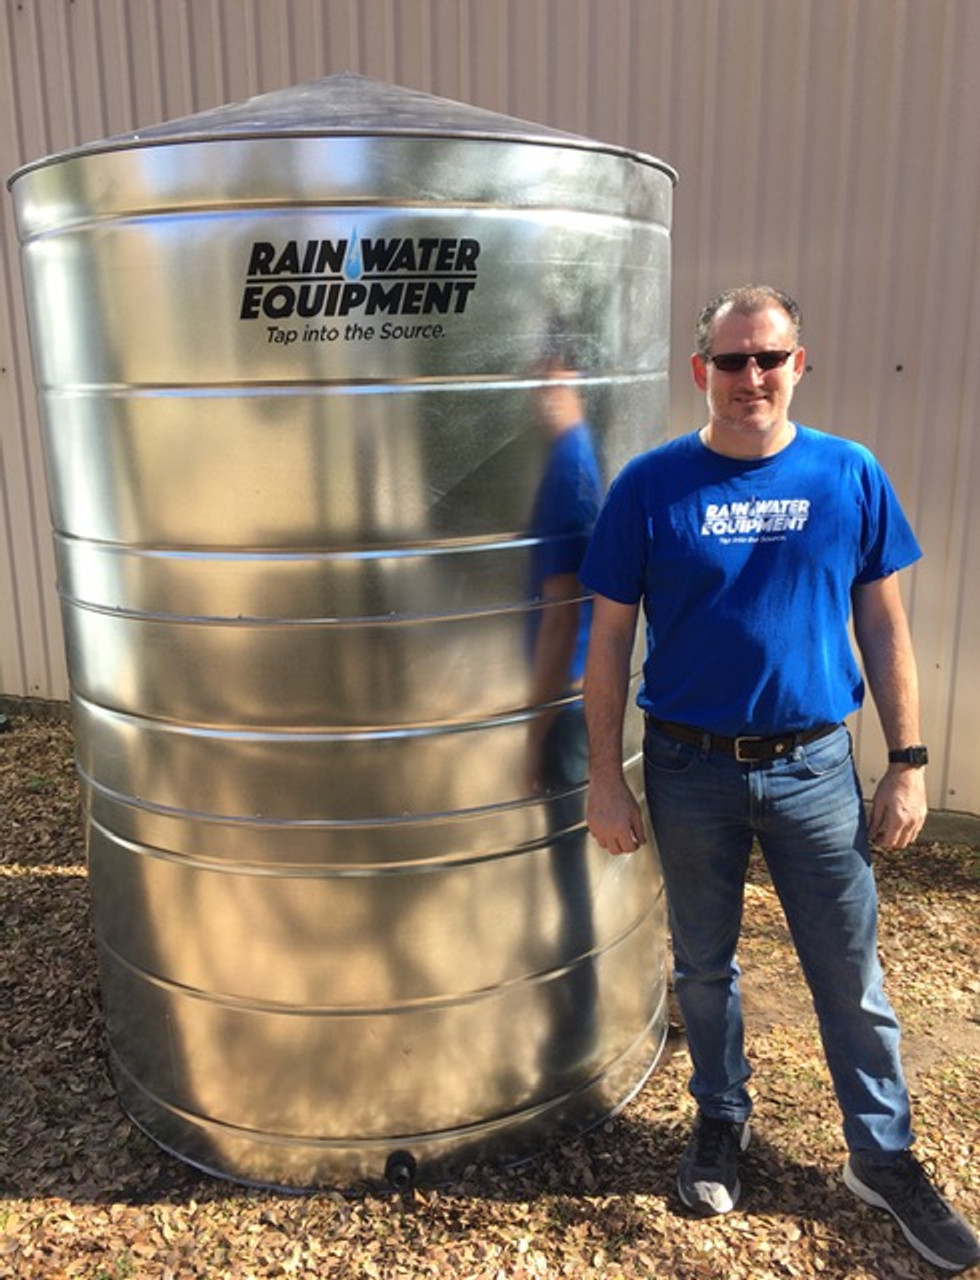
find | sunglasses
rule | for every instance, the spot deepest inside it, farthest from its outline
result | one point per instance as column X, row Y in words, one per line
column 735, row 361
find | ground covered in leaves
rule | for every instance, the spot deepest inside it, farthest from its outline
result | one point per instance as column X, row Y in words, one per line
column 84, row 1194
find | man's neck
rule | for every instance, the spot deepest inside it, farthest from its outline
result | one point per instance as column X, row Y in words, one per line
column 746, row 446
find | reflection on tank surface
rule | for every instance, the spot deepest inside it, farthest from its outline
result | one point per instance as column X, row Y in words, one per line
column 331, row 385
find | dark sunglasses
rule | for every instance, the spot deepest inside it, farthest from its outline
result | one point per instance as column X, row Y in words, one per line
column 735, row 361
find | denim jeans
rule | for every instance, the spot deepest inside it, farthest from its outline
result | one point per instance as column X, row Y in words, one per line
column 565, row 770
column 806, row 812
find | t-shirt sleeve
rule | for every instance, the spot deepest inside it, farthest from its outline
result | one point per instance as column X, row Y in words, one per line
column 567, row 508
column 615, row 558
column 888, row 543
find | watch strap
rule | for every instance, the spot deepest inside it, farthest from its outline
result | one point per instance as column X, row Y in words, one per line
column 917, row 755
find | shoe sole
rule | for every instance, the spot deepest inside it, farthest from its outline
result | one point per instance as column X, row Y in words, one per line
column 870, row 1196
column 704, row 1207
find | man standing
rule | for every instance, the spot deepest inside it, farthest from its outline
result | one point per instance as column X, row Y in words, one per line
column 749, row 544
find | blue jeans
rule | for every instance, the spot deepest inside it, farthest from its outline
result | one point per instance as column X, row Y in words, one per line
column 807, row 815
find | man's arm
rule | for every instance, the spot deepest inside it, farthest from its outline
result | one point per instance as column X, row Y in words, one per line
column 612, row 812
column 553, row 654
column 881, row 628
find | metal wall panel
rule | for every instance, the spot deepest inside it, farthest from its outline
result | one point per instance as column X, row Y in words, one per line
column 825, row 145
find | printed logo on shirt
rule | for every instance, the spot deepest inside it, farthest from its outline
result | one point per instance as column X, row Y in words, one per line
column 758, row 520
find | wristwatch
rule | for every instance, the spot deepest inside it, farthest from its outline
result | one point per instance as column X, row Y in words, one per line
column 917, row 755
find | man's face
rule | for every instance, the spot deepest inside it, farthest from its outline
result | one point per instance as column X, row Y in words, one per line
column 557, row 400
column 749, row 409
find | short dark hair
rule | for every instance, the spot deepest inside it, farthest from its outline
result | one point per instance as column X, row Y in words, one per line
column 561, row 345
column 745, row 299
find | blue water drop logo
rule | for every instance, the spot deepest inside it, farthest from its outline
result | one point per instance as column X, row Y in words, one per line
column 353, row 263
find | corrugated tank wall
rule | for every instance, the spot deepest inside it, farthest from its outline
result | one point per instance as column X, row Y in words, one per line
column 823, row 145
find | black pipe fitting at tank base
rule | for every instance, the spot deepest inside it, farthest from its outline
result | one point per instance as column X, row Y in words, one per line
column 401, row 1169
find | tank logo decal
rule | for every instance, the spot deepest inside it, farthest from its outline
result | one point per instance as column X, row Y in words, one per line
column 354, row 278
column 354, row 259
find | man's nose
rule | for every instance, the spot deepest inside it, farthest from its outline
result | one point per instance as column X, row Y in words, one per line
column 753, row 371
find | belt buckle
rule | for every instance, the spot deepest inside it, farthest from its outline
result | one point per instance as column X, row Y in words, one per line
column 743, row 759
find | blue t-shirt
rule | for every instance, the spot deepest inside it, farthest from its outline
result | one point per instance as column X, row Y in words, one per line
column 745, row 570
column 565, row 509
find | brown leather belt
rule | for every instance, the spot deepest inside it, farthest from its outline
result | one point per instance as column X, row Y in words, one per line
column 746, row 748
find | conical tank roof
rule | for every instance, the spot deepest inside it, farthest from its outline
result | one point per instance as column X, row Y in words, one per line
column 343, row 105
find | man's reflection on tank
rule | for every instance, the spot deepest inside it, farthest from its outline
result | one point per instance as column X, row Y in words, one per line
column 565, row 508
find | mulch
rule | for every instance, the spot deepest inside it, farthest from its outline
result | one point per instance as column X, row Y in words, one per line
column 86, row 1195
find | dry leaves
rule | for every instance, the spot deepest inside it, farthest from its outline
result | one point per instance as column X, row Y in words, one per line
column 87, row 1196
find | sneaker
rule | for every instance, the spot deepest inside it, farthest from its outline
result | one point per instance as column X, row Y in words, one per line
column 931, row 1225
column 707, row 1178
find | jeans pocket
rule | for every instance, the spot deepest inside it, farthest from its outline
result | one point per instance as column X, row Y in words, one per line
column 827, row 755
column 665, row 754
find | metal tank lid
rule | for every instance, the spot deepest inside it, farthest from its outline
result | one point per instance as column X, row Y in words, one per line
column 342, row 105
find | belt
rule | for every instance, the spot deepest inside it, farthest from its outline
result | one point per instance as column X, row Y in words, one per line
column 746, row 748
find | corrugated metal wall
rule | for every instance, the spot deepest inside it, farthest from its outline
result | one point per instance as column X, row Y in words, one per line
column 828, row 146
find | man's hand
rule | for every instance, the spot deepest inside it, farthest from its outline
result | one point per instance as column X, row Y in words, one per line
column 881, row 628
column 899, row 807
column 614, row 816
column 612, row 813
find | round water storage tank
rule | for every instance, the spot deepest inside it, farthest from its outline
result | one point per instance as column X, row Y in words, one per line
column 331, row 382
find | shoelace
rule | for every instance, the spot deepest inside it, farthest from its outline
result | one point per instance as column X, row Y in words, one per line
column 714, row 1138
column 910, row 1183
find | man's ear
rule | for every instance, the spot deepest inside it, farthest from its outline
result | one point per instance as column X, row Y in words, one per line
column 699, row 371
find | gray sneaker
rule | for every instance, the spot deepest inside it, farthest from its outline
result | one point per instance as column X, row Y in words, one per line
column 931, row 1225
column 707, row 1178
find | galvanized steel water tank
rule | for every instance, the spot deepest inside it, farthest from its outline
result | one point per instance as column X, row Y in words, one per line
column 289, row 355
